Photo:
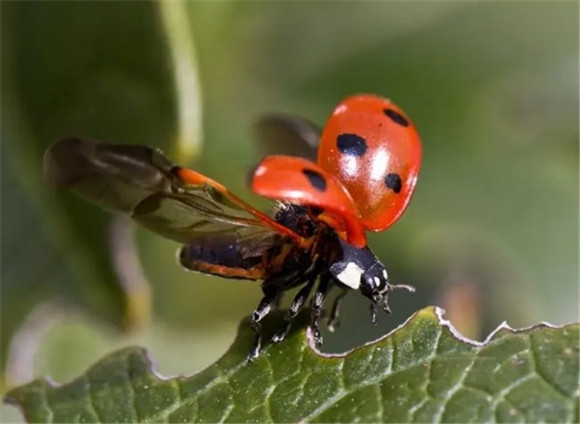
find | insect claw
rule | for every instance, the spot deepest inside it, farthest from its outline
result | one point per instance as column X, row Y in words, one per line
column 385, row 304
column 332, row 325
column 333, row 321
column 255, row 350
column 315, row 335
column 319, row 341
column 281, row 335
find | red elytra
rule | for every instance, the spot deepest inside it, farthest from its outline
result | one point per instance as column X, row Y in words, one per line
column 372, row 147
column 300, row 181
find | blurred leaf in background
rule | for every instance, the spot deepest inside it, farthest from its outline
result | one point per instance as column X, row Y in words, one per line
column 64, row 69
column 491, row 234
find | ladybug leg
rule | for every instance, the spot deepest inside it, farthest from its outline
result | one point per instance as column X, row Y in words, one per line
column 317, row 303
column 383, row 300
column 376, row 300
column 333, row 319
column 271, row 295
column 374, row 313
column 295, row 308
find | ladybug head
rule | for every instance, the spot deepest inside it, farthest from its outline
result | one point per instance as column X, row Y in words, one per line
column 360, row 269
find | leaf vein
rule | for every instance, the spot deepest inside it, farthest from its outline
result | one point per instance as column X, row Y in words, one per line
column 439, row 414
column 514, row 407
column 230, row 407
column 188, row 401
column 47, row 403
column 534, row 363
column 267, row 402
column 131, row 392
column 91, row 403
column 437, row 341
column 341, row 379
column 413, row 410
column 165, row 413
column 227, row 413
column 380, row 409
column 505, row 391
column 341, row 394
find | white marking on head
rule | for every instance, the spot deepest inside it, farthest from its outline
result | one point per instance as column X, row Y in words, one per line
column 377, row 281
column 385, row 274
column 350, row 276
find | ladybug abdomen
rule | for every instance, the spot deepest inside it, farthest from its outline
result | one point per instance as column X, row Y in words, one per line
column 221, row 257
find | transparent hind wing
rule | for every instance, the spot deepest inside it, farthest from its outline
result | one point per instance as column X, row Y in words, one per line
column 177, row 203
column 288, row 135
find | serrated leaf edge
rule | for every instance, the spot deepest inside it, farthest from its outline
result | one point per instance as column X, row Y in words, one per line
column 439, row 312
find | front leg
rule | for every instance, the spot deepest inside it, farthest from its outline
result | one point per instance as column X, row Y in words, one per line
column 317, row 302
column 333, row 318
column 295, row 308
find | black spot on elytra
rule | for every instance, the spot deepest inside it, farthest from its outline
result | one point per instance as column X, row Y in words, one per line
column 393, row 181
column 396, row 117
column 315, row 179
column 351, row 144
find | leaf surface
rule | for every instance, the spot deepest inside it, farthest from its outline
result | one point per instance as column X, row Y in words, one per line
column 421, row 372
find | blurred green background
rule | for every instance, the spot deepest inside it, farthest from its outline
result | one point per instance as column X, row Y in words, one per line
column 492, row 231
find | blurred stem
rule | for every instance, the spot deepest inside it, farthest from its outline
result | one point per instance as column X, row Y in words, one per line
column 129, row 271
column 26, row 341
column 174, row 16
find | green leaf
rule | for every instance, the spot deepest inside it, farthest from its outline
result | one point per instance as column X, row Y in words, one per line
column 422, row 372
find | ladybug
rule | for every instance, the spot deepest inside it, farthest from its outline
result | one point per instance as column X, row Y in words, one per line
column 357, row 175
